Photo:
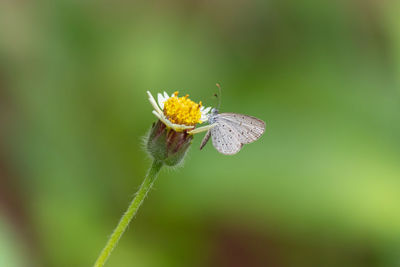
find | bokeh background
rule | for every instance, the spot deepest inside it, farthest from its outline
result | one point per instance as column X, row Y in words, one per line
column 320, row 188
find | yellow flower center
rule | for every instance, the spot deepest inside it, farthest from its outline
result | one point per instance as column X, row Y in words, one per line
column 182, row 110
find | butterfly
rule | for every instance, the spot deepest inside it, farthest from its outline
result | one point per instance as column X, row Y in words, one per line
column 231, row 131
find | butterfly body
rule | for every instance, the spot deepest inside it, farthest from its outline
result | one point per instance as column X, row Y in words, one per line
column 232, row 131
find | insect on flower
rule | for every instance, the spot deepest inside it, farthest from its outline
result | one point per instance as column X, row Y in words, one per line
column 231, row 130
column 228, row 131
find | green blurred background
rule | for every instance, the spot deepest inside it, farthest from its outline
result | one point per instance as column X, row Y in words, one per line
column 320, row 188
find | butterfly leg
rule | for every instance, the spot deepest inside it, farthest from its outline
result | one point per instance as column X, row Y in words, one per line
column 202, row 129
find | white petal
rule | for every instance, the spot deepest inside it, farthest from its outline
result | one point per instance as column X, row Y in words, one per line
column 166, row 96
column 203, row 118
column 163, row 119
column 206, row 110
column 202, row 108
column 161, row 100
column 158, row 115
column 153, row 103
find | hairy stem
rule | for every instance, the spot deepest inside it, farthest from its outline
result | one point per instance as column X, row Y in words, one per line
column 130, row 212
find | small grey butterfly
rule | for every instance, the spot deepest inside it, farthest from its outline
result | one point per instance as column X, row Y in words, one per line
column 232, row 131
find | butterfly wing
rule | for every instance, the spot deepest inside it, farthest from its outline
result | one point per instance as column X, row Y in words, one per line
column 224, row 138
column 246, row 128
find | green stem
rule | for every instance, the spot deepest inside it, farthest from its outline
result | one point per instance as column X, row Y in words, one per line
column 130, row 212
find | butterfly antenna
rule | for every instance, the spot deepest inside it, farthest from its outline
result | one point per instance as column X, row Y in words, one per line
column 220, row 94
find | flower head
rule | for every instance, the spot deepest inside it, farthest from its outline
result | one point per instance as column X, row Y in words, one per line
column 170, row 138
column 178, row 113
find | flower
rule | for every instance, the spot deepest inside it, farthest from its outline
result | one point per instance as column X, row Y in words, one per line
column 178, row 113
column 171, row 136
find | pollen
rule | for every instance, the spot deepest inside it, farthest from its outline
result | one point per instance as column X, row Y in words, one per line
column 182, row 110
